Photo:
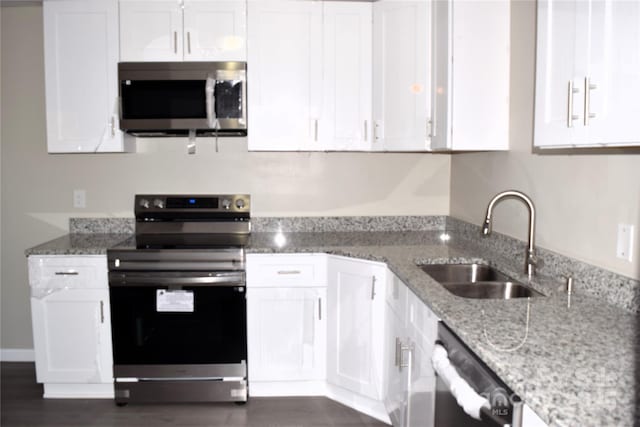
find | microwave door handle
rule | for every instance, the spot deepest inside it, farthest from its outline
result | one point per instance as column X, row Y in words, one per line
column 209, row 91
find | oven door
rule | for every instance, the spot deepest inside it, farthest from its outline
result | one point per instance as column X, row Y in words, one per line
column 168, row 324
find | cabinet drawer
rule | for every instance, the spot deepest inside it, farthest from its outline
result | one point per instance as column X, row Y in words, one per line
column 286, row 270
column 68, row 272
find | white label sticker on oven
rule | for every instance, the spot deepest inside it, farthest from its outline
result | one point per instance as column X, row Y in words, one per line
column 174, row 301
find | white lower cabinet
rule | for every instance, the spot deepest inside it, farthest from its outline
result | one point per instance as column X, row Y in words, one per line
column 287, row 339
column 410, row 334
column 356, row 322
column 286, row 324
column 71, row 325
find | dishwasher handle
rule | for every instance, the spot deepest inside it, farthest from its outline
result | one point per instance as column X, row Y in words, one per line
column 473, row 404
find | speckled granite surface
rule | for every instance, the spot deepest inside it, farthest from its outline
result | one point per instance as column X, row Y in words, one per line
column 348, row 223
column 79, row 244
column 588, row 279
column 579, row 366
column 102, row 225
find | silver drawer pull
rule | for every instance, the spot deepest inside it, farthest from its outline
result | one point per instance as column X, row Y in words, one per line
column 67, row 273
column 289, row 272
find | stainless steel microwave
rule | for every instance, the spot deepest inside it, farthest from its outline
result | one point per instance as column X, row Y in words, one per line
column 176, row 98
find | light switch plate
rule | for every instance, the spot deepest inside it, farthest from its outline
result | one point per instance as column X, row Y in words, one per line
column 624, row 248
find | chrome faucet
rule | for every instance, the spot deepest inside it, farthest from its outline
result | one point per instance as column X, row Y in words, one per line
column 531, row 260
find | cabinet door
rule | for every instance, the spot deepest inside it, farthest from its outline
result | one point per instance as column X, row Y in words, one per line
column 401, row 75
column 287, row 333
column 81, row 57
column 151, row 30
column 355, row 319
column 612, row 82
column 559, row 93
column 345, row 121
column 470, row 106
column 422, row 330
column 215, row 30
column 72, row 336
column 285, row 54
column 396, row 378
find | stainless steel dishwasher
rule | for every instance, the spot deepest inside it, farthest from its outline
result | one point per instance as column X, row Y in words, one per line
column 468, row 393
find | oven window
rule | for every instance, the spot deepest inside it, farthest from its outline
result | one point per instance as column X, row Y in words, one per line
column 163, row 99
column 215, row 332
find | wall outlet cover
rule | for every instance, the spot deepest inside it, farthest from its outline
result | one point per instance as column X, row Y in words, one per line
column 624, row 249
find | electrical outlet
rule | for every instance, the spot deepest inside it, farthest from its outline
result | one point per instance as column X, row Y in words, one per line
column 624, row 248
column 79, row 199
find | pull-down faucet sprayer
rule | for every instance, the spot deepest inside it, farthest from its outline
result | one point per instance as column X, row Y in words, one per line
column 530, row 260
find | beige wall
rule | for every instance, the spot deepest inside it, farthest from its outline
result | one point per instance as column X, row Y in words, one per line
column 37, row 187
column 580, row 198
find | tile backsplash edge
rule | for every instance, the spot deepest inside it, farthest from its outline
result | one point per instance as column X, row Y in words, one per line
column 612, row 287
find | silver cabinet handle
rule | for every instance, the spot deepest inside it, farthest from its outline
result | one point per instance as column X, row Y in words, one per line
column 288, row 272
column 366, row 131
column 113, row 127
column 588, row 87
column 405, row 348
column 570, row 92
column 315, row 130
column 101, row 311
column 319, row 308
column 400, row 351
column 373, row 287
column 175, row 42
column 189, row 42
column 430, row 129
column 66, row 273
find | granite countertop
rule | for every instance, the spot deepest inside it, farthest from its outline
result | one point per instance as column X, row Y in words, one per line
column 574, row 366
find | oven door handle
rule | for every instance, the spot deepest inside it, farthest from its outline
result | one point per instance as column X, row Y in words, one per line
column 155, row 280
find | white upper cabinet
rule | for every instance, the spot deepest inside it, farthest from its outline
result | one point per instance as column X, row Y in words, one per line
column 310, row 74
column 345, row 118
column 285, row 73
column 587, row 74
column 470, row 74
column 81, row 60
column 401, row 75
column 177, row 30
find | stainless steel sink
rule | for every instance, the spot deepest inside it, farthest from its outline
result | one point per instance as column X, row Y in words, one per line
column 477, row 281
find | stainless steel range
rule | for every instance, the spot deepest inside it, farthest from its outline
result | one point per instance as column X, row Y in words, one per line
column 178, row 307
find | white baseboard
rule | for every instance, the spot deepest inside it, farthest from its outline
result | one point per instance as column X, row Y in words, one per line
column 17, row 355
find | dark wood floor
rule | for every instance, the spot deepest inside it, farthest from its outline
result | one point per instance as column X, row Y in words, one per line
column 23, row 405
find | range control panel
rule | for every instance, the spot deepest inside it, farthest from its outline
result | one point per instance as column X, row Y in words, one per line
column 209, row 204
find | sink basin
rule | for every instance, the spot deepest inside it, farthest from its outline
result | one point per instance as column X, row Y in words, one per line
column 477, row 281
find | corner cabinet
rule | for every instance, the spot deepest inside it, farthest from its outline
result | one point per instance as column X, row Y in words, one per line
column 71, row 325
column 587, row 74
column 183, row 30
column 470, row 72
column 81, row 59
column 356, row 323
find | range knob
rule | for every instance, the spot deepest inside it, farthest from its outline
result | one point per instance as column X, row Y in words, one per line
column 226, row 203
column 158, row 203
column 144, row 203
column 240, row 203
